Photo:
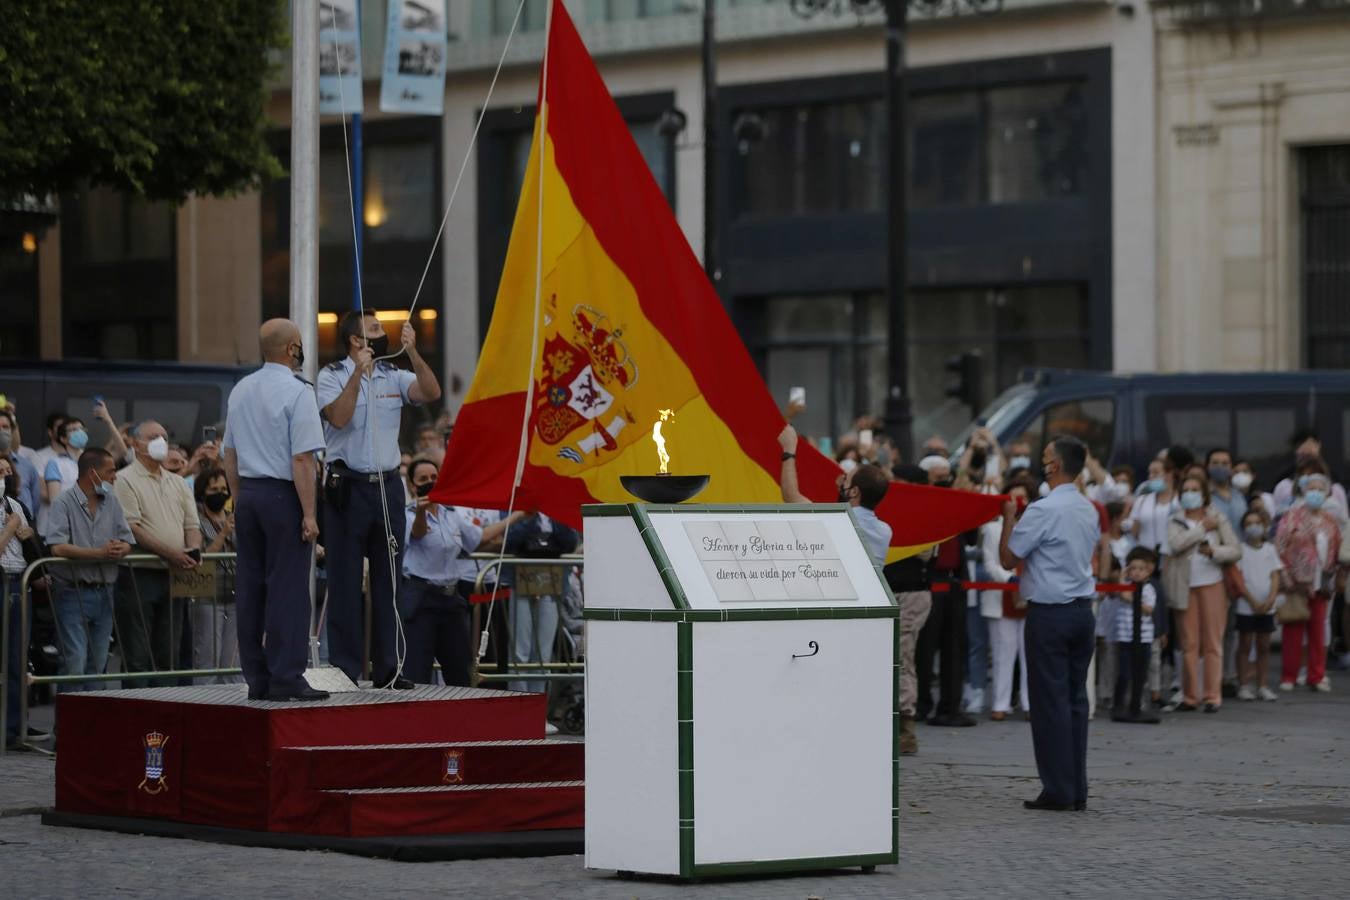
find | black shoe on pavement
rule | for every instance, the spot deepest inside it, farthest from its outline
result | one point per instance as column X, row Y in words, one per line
column 1079, row 807
column 303, row 693
column 1186, row 707
column 952, row 720
column 1043, row 804
column 397, row 683
column 37, row 734
column 1210, row 707
column 258, row 693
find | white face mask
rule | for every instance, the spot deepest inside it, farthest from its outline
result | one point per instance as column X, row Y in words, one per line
column 1044, row 489
column 848, row 464
column 157, row 449
column 1242, row 480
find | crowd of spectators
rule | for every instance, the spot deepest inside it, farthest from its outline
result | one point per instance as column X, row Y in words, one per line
column 1223, row 564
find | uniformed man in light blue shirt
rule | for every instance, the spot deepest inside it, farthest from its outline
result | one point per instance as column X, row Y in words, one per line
column 361, row 399
column 1055, row 544
column 272, row 431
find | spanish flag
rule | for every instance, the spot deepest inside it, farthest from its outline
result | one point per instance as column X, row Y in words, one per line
column 603, row 318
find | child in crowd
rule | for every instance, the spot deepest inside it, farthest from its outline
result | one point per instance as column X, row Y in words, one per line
column 1139, row 567
column 1261, row 571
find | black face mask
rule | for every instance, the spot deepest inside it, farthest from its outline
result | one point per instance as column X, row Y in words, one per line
column 299, row 357
column 215, row 502
column 11, row 486
column 944, row 482
column 844, row 494
column 423, row 489
column 378, row 345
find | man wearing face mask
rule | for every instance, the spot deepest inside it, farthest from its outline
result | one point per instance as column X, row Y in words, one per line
column 87, row 525
column 60, row 471
column 272, row 432
column 29, row 484
column 361, row 400
column 162, row 513
column 1223, row 496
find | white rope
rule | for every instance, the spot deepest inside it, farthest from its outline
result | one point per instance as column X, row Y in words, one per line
column 542, row 131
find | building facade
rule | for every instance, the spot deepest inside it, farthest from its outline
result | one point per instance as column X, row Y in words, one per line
column 1092, row 184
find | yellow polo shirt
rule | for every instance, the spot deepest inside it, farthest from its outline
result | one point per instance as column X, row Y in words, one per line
column 161, row 503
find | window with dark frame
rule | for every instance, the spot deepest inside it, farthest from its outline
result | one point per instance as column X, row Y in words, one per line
column 119, row 291
column 19, row 294
column 1324, row 200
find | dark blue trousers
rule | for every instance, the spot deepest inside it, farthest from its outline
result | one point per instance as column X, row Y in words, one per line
column 271, row 585
column 439, row 627
column 349, row 536
column 1059, row 641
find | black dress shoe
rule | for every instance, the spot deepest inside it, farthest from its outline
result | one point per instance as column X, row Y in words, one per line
column 1079, row 807
column 952, row 720
column 302, row 693
column 1210, row 707
column 258, row 693
column 1043, row 804
column 37, row 734
column 397, row 683
column 1186, row 707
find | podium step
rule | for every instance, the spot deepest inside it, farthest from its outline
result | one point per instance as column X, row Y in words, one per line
column 434, row 764
column 452, row 809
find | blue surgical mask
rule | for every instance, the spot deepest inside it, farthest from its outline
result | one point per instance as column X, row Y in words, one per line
column 1314, row 499
column 1255, row 532
column 1303, row 482
column 103, row 488
column 1192, row 500
column 1019, row 462
column 79, row 439
column 1153, row 486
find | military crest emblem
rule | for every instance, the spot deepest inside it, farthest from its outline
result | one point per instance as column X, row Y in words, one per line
column 585, row 370
column 154, row 781
column 453, row 770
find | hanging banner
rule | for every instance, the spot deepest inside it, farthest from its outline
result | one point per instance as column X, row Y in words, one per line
column 414, row 58
column 339, row 57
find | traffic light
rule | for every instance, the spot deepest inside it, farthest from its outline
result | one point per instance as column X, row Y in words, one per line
column 964, row 383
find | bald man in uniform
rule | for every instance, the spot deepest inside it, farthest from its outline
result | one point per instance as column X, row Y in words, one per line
column 272, row 431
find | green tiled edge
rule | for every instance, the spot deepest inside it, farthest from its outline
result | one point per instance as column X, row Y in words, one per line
column 684, row 655
column 741, row 615
column 604, row 510
column 895, row 742
column 713, row 870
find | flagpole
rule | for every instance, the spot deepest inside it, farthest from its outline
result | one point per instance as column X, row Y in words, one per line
column 305, row 179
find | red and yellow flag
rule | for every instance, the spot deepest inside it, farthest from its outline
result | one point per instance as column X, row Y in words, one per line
column 627, row 325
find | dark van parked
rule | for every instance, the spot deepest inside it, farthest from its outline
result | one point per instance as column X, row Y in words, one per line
column 183, row 398
column 1129, row 418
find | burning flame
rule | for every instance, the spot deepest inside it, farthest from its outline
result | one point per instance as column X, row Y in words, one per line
column 661, row 453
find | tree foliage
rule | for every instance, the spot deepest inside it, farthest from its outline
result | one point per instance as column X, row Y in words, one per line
column 161, row 98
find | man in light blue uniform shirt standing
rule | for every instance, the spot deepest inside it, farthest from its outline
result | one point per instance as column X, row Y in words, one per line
column 363, row 492
column 272, row 430
column 1055, row 543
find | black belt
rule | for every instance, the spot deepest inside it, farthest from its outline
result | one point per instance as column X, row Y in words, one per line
column 368, row 477
column 448, row 590
column 1072, row 604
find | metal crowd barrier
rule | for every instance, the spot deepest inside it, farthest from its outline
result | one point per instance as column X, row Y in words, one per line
column 490, row 562
column 556, row 671
column 26, row 680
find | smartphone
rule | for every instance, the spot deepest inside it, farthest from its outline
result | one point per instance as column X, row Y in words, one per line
column 196, row 554
column 865, row 437
column 797, row 395
column 209, row 434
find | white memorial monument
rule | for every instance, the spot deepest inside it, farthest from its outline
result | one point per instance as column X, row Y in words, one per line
column 741, row 691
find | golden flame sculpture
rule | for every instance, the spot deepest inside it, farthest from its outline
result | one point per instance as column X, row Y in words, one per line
column 661, row 453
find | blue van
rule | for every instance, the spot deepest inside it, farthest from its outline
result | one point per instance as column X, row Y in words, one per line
column 1127, row 419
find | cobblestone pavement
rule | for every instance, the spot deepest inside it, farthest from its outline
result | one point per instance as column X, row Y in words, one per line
column 1253, row 802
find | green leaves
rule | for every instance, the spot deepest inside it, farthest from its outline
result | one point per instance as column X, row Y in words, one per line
column 162, row 98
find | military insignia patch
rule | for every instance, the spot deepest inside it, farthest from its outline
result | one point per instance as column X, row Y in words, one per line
column 154, row 781
column 453, row 772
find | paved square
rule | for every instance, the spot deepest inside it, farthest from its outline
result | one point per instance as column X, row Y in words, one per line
column 1252, row 802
